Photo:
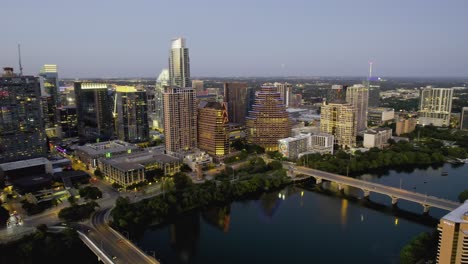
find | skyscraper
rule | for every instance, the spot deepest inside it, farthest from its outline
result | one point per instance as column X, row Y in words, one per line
column 179, row 64
column 339, row 119
column 131, row 114
column 48, row 77
column 94, row 111
column 155, row 101
column 285, row 90
column 374, row 91
column 213, row 129
column 180, row 119
column 22, row 131
column 358, row 96
column 435, row 106
column 337, row 93
column 268, row 121
column 464, row 119
column 236, row 97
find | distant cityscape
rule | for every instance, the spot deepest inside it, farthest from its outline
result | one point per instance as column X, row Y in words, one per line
column 130, row 137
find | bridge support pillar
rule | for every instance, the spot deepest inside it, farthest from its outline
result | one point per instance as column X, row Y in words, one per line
column 426, row 208
column 318, row 180
column 394, row 200
column 366, row 193
column 340, row 186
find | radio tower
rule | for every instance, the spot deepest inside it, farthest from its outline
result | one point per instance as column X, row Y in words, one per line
column 19, row 58
column 370, row 69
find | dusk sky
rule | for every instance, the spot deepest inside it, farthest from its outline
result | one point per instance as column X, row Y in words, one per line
column 104, row 38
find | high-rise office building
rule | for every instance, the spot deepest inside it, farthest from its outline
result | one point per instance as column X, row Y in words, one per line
column 285, row 90
column 373, row 84
column 339, row 120
column 131, row 114
column 179, row 64
column 48, row 78
column 198, row 86
column 213, row 129
column 22, row 130
column 464, row 119
column 94, row 111
column 68, row 121
column 155, row 101
column 453, row 236
column 236, row 97
column 435, row 106
column 180, row 119
column 268, row 121
column 358, row 96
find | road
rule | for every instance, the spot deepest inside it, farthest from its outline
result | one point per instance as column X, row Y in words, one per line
column 423, row 199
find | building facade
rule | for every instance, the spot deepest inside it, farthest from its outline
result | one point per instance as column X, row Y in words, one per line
column 90, row 153
column 453, row 236
column 339, row 120
column 236, row 98
column 285, row 90
column 198, row 86
column 322, row 143
column 94, row 111
column 48, row 78
column 22, row 130
column 291, row 147
column 179, row 64
column 464, row 119
column 268, row 121
column 337, row 93
column 358, row 96
column 377, row 138
column 435, row 106
column 380, row 115
column 68, row 121
column 405, row 126
column 131, row 114
column 213, row 129
column 180, row 119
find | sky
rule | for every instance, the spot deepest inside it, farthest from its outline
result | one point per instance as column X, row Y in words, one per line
column 113, row 38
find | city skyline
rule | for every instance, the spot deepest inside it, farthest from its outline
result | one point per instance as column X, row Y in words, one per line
column 418, row 39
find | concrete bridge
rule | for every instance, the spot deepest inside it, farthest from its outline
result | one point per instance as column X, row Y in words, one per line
column 367, row 187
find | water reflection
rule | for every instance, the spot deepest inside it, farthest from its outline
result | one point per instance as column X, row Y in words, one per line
column 269, row 203
column 344, row 212
column 219, row 217
column 185, row 235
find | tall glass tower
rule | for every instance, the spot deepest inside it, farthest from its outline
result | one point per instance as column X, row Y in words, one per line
column 48, row 77
column 179, row 64
column 22, row 134
column 156, row 101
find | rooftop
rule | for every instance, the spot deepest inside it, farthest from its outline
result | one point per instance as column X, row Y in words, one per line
column 456, row 215
column 23, row 164
column 107, row 147
column 137, row 160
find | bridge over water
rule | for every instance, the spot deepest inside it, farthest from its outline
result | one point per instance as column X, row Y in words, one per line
column 368, row 187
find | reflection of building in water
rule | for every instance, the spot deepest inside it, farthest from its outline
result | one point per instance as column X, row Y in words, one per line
column 269, row 203
column 185, row 234
column 219, row 217
column 344, row 212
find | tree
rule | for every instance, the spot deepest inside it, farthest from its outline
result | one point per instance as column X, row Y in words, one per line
column 90, row 192
column 182, row 181
column 152, row 174
column 185, row 168
column 463, row 196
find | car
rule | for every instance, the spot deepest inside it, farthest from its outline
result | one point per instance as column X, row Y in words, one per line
column 114, row 257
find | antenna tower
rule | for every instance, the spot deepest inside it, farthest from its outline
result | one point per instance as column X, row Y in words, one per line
column 19, row 58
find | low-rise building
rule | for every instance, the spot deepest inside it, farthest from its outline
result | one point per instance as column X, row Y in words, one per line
column 24, row 168
column 197, row 159
column 291, row 147
column 380, row 115
column 90, row 153
column 377, row 138
column 131, row 168
column 322, row 143
column 405, row 126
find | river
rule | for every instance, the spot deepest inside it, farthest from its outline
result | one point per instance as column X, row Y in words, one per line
column 296, row 225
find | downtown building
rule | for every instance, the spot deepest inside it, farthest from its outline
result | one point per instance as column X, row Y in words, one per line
column 180, row 120
column 358, row 96
column 94, row 111
column 339, row 119
column 435, row 106
column 336, row 93
column 131, row 114
column 155, row 101
column 213, row 129
column 22, row 129
column 464, row 119
column 179, row 64
column 268, row 121
column 377, row 138
column 48, row 78
column 453, row 236
column 236, row 96
column 285, row 90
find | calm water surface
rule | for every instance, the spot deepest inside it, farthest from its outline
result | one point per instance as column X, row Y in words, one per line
column 305, row 226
